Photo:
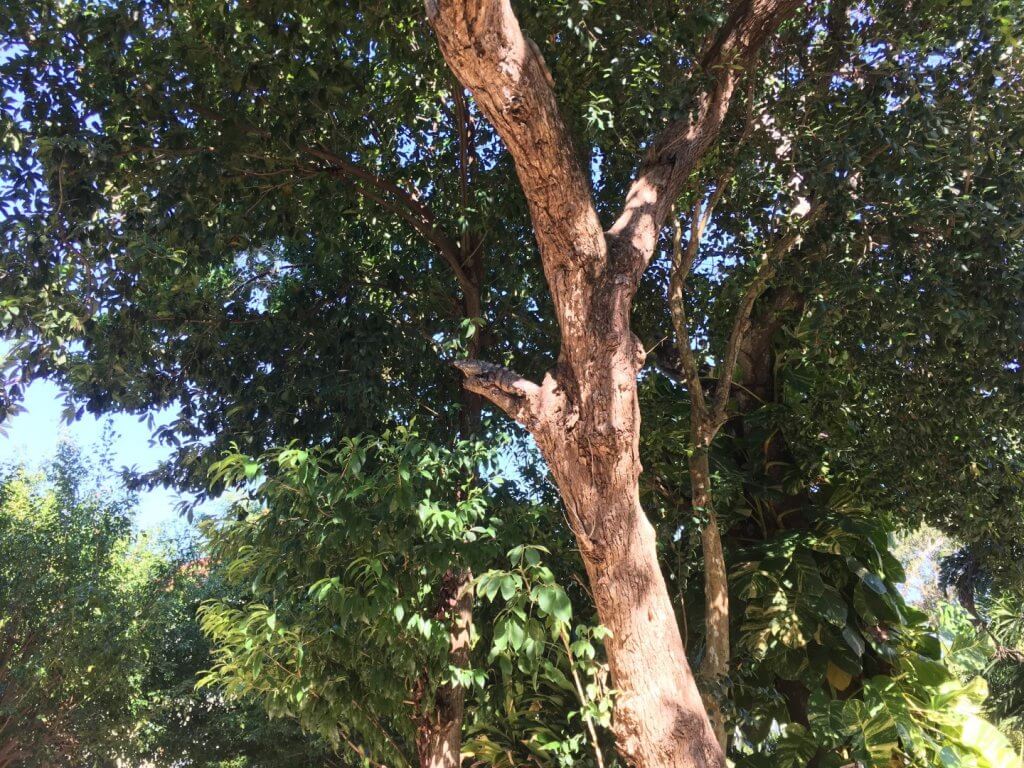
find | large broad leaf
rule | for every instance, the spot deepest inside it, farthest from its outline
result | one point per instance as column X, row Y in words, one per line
column 872, row 731
column 991, row 746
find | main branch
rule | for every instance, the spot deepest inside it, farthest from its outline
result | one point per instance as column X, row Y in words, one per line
column 484, row 46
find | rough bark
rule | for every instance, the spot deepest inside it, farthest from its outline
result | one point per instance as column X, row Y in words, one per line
column 585, row 415
column 439, row 735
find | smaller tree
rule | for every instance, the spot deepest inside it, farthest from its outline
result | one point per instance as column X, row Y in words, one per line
column 349, row 615
column 71, row 591
column 178, row 724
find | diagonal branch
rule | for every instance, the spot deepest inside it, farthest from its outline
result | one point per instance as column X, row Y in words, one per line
column 485, row 48
column 508, row 390
column 683, row 261
column 423, row 225
column 380, row 190
column 676, row 153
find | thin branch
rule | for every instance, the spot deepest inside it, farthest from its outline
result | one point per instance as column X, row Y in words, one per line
column 725, row 176
column 582, row 694
column 462, row 125
column 448, row 250
column 381, row 190
column 682, row 263
column 765, row 271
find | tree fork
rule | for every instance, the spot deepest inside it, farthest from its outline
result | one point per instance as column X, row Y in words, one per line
column 585, row 414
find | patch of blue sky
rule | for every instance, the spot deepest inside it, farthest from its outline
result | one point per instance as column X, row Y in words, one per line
column 31, row 439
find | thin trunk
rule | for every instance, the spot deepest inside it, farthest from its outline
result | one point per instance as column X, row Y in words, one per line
column 715, row 665
column 703, row 427
column 439, row 736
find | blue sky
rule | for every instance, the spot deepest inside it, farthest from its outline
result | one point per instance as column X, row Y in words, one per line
column 32, row 438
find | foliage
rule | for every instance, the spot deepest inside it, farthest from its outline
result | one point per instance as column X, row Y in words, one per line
column 73, row 589
column 1005, row 672
column 826, row 606
column 101, row 648
column 247, row 213
column 830, row 664
column 551, row 673
column 176, row 724
column 347, row 556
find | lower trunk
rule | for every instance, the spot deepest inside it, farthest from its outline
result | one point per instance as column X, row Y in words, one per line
column 715, row 666
column 439, row 736
column 439, row 740
column 660, row 720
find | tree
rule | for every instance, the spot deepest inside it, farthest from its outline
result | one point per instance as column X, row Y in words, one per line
column 226, row 142
column 101, row 649
column 72, row 594
column 338, row 617
column 174, row 722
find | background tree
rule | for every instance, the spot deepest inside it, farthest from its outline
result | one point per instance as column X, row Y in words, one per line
column 178, row 724
column 101, row 648
column 72, row 592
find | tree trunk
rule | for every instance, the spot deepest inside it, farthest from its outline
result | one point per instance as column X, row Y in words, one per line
column 585, row 415
column 715, row 666
column 439, row 736
column 659, row 715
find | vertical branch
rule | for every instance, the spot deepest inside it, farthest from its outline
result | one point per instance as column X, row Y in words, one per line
column 582, row 694
column 682, row 263
column 741, row 323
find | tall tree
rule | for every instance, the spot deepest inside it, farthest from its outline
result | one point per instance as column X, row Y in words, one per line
column 72, row 595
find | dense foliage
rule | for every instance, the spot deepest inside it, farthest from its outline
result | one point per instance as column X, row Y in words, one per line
column 283, row 221
column 347, row 558
column 71, row 592
column 101, row 650
column 176, row 723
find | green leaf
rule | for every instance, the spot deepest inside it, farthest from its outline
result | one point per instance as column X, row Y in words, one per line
column 554, row 602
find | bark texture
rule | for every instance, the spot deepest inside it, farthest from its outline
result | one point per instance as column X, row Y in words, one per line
column 584, row 414
column 439, row 736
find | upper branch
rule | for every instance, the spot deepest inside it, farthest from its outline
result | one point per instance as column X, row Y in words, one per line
column 383, row 191
column 675, row 154
column 400, row 201
column 682, row 263
column 418, row 217
column 487, row 51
